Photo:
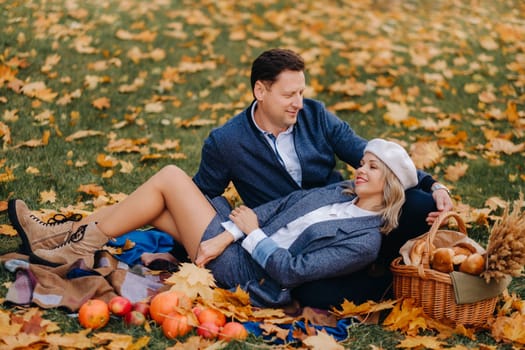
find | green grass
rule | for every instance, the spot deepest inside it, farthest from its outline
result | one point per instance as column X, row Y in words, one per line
column 341, row 40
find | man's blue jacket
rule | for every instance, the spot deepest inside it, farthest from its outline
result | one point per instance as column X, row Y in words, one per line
column 238, row 152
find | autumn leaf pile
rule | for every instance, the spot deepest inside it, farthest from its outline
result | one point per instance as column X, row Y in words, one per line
column 96, row 96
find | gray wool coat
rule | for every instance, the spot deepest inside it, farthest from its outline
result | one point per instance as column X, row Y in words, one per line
column 325, row 249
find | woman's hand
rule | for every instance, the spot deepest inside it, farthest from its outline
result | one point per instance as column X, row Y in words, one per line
column 245, row 219
column 212, row 248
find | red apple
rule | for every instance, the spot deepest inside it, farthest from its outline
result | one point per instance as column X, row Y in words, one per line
column 233, row 330
column 211, row 316
column 120, row 306
column 142, row 307
column 134, row 318
column 208, row 330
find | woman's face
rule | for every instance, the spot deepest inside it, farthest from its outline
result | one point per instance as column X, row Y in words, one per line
column 370, row 177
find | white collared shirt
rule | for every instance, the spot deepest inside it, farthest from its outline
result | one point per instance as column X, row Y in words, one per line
column 285, row 236
column 284, row 147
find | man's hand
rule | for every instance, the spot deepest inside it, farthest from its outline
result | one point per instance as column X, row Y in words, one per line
column 245, row 219
column 443, row 204
column 212, row 248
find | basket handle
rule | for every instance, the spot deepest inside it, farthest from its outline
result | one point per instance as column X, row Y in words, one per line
column 431, row 235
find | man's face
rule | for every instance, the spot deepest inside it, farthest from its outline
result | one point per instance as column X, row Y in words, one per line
column 279, row 103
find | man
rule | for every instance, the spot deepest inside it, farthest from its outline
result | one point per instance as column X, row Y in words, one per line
column 283, row 142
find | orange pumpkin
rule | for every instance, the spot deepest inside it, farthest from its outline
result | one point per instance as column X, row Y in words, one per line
column 165, row 303
column 93, row 314
column 175, row 325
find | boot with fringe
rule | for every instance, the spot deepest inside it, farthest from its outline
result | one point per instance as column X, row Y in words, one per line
column 81, row 244
column 35, row 233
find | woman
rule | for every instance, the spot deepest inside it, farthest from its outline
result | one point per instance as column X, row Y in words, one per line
column 305, row 236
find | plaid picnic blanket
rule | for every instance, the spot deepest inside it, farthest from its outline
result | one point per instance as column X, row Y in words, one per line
column 70, row 285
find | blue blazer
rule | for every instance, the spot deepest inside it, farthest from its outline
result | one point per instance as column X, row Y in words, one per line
column 325, row 249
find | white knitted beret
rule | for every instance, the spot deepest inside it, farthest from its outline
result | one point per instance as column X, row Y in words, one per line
column 396, row 158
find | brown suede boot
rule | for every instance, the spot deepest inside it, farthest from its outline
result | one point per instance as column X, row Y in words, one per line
column 35, row 233
column 82, row 244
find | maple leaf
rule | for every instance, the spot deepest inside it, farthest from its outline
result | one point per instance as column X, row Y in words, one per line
column 509, row 328
column 92, row 189
column 32, row 170
column 271, row 328
column 6, row 74
column 345, row 105
column 82, row 44
column 8, row 328
column 50, row 62
column 348, row 308
column 396, row 113
column 106, row 161
column 192, row 67
column 318, row 318
column 193, row 281
column 126, row 167
column 322, row 341
column 7, row 176
column 20, row 341
column 456, row 171
column 154, row 107
column 425, row 154
column 426, row 342
column 406, row 317
column 496, row 202
column 48, row 196
column 512, row 112
column 166, row 145
column 472, row 88
column 488, row 43
column 145, row 36
column 39, row 90
column 101, row 103
column 125, row 145
column 195, row 121
column 36, row 142
column 78, row 340
column 8, row 230
column 5, row 133
column 82, row 134
column 505, row 146
column 350, row 87
column 118, row 341
column 487, row 97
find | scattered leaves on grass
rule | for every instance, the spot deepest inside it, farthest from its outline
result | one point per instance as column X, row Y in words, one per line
column 418, row 81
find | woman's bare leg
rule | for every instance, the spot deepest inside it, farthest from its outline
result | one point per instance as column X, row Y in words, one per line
column 170, row 191
column 164, row 222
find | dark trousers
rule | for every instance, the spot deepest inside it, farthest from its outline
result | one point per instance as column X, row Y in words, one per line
column 372, row 283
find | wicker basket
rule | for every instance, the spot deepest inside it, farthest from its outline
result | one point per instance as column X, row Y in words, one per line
column 433, row 290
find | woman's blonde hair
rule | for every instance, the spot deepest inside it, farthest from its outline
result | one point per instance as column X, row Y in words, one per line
column 393, row 200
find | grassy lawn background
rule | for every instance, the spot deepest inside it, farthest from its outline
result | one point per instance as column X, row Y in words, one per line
column 154, row 77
